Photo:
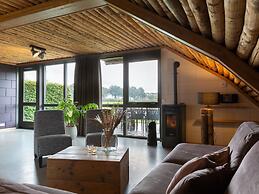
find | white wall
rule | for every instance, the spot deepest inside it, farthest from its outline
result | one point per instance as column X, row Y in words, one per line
column 193, row 79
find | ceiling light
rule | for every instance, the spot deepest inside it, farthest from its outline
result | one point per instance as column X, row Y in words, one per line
column 37, row 51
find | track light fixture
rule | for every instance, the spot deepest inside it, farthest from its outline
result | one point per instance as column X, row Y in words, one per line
column 38, row 51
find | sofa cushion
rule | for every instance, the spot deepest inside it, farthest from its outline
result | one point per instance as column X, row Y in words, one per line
column 188, row 168
column 245, row 137
column 220, row 157
column 157, row 180
column 185, row 151
column 206, row 181
column 246, row 178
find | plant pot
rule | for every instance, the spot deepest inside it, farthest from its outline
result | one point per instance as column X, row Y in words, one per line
column 72, row 131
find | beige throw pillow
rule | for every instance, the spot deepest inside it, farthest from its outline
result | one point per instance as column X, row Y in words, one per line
column 189, row 167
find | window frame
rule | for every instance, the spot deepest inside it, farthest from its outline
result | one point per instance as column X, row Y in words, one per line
column 136, row 57
column 40, row 87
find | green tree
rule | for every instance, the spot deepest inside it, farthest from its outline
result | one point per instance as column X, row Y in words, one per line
column 105, row 92
column 115, row 91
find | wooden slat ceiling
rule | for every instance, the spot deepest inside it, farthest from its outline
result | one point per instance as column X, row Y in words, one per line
column 9, row 6
column 104, row 30
column 99, row 30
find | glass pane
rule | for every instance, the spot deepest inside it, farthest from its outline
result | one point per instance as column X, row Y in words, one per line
column 70, row 80
column 138, row 119
column 112, row 83
column 28, row 113
column 143, row 81
column 54, row 84
column 29, row 84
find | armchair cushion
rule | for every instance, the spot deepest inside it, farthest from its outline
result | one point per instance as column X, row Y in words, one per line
column 51, row 144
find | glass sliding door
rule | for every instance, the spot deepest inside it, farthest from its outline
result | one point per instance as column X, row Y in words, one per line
column 131, row 82
column 112, row 85
column 143, row 97
column 29, row 96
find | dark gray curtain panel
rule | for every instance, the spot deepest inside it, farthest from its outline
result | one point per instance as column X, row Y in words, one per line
column 87, row 83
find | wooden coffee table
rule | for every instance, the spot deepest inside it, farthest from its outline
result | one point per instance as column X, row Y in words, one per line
column 74, row 169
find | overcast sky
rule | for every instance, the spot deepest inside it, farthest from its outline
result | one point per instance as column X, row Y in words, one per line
column 141, row 74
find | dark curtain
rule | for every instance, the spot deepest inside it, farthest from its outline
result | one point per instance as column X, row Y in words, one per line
column 87, row 84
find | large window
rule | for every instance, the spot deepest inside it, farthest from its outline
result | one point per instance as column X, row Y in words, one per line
column 132, row 84
column 43, row 87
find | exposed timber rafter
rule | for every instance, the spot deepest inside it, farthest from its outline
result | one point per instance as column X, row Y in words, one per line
column 44, row 11
column 213, row 50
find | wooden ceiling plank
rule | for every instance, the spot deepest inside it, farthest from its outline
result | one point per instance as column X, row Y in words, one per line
column 177, row 10
column 133, row 26
column 42, row 34
column 23, row 34
column 234, row 19
column 146, row 32
column 106, row 26
column 217, row 20
column 80, row 34
column 105, row 33
column 122, row 28
column 91, row 28
column 250, row 31
column 189, row 15
column 200, row 12
column 46, row 11
column 195, row 41
column 167, row 11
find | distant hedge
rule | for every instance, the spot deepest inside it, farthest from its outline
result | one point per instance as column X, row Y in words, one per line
column 53, row 95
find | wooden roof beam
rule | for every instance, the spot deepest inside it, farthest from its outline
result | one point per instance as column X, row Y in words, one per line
column 213, row 50
column 44, row 11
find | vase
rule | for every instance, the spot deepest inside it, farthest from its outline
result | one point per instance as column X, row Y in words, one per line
column 109, row 143
column 71, row 131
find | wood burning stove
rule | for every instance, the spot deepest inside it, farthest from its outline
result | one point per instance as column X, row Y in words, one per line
column 173, row 118
column 173, row 124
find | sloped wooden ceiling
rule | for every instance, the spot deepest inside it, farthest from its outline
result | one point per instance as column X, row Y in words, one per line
column 9, row 6
column 108, row 29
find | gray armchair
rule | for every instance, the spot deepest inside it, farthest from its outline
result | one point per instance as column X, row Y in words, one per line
column 93, row 128
column 49, row 133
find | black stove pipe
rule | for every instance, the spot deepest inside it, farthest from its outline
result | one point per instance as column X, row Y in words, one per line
column 176, row 65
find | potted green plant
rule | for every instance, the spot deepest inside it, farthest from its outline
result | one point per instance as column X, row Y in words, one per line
column 89, row 106
column 71, row 116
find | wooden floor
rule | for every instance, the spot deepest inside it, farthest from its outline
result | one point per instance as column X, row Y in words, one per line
column 17, row 159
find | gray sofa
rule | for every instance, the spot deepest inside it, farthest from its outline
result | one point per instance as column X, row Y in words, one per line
column 11, row 187
column 245, row 171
